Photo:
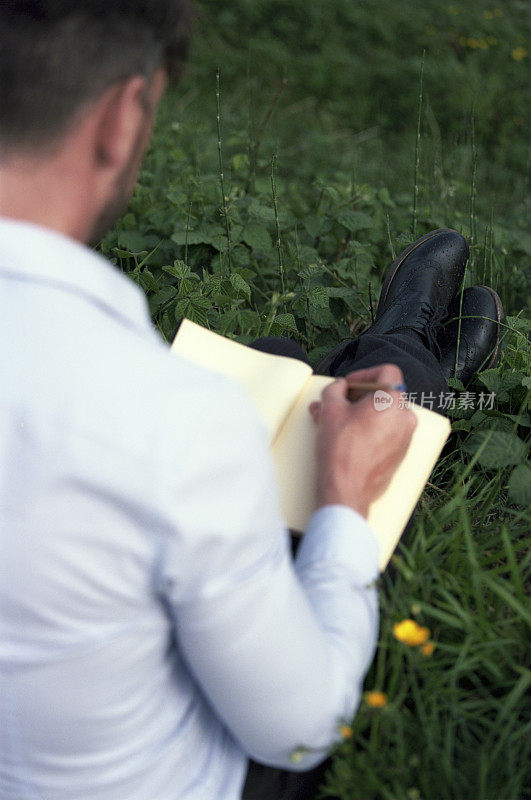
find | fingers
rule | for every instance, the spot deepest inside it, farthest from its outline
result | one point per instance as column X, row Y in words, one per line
column 382, row 373
column 360, row 444
column 335, row 392
column 410, row 421
column 315, row 411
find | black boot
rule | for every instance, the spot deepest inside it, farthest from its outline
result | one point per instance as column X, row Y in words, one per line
column 479, row 337
column 416, row 292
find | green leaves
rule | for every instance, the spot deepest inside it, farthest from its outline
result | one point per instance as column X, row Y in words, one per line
column 322, row 262
column 318, row 297
column 355, row 221
column 519, row 485
column 240, row 286
column 210, row 234
column 500, row 383
column 261, row 211
column 284, row 324
column 496, row 449
column 257, row 237
column 193, row 307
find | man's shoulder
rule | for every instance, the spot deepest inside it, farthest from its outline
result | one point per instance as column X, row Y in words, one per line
column 88, row 374
column 187, row 391
column 178, row 404
column 150, row 397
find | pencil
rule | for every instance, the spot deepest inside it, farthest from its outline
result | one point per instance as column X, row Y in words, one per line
column 355, row 389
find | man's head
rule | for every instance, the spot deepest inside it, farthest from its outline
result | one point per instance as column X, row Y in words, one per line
column 56, row 56
column 94, row 69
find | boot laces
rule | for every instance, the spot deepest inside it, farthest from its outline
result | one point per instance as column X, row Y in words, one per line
column 429, row 323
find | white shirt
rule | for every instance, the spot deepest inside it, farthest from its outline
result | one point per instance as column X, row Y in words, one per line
column 154, row 632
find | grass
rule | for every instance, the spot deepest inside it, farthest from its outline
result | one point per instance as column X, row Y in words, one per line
column 274, row 196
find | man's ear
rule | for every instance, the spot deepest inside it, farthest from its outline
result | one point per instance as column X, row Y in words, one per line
column 122, row 116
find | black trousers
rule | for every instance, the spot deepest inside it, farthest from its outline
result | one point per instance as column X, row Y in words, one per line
column 422, row 374
column 424, row 380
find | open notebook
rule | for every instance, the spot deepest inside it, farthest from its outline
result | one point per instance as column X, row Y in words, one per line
column 282, row 389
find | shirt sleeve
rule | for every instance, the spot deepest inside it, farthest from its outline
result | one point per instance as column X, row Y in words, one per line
column 279, row 647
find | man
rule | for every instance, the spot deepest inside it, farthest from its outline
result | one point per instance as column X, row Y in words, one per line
column 154, row 631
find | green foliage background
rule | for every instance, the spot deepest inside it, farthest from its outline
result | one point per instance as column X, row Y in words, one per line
column 292, row 232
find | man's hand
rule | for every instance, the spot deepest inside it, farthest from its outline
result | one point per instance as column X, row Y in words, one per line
column 358, row 447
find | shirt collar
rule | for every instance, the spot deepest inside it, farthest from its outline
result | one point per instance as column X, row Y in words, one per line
column 31, row 252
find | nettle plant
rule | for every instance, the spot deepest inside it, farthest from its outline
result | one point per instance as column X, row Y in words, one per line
column 256, row 265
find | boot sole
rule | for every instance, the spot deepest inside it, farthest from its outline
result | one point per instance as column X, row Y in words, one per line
column 495, row 356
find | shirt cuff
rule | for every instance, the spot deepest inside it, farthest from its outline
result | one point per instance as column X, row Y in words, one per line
column 339, row 535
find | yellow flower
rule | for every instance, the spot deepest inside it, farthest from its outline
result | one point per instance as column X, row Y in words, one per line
column 453, row 10
column 297, row 755
column 427, row 649
column 345, row 731
column 472, row 42
column 492, row 40
column 519, row 53
column 498, row 12
column 482, row 44
column 376, row 699
column 488, row 14
column 410, row 632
